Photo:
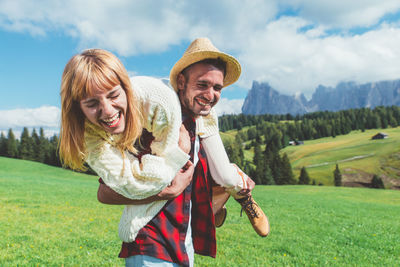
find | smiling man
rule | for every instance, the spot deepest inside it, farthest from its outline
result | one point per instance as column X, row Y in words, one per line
column 198, row 78
column 200, row 85
column 186, row 224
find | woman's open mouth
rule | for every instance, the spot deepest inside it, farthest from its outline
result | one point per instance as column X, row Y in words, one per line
column 113, row 121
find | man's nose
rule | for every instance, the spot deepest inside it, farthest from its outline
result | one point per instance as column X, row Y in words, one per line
column 209, row 94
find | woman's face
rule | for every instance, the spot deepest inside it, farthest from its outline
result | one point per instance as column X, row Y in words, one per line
column 106, row 109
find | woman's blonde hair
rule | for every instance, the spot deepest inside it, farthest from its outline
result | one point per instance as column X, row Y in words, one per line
column 84, row 72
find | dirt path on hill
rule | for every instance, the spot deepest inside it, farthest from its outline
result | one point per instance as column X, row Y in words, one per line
column 343, row 160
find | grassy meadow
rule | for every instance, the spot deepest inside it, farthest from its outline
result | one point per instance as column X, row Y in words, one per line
column 355, row 153
column 50, row 217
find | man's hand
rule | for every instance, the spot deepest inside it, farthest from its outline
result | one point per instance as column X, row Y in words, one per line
column 180, row 182
column 250, row 187
column 184, row 140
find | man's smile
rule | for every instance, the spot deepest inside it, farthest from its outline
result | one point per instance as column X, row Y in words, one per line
column 203, row 102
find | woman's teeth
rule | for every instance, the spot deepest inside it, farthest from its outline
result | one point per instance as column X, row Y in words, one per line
column 113, row 120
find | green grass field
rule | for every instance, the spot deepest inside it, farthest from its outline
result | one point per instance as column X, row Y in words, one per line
column 50, row 217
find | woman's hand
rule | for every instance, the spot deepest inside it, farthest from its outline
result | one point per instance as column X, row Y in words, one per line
column 179, row 183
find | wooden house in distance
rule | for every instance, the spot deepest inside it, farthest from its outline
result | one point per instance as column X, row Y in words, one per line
column 380, row 136
column 296, row 143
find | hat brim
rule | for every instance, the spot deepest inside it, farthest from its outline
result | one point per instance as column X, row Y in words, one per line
column 233, row 68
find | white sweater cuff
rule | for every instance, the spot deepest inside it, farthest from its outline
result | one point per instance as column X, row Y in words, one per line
column 175, row 158
column 207, row 125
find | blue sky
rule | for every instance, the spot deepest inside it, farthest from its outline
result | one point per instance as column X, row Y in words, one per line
column 294, row 45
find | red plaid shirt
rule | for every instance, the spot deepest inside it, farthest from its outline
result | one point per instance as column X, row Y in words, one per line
column 164, row 236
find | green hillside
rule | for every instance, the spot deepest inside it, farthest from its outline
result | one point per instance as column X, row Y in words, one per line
column 50, row 217
column 358, row 157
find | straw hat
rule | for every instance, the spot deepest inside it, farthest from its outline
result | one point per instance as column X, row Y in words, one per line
column 201, row 49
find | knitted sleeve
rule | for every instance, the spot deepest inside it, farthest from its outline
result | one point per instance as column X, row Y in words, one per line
column 207, row 125
column 122, row 172
column 163, row 118
column 222, row 171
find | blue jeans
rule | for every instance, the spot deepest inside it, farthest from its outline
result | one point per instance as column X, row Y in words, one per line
column 147, row 261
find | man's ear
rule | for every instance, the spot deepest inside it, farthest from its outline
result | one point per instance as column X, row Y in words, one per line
column 181, row 81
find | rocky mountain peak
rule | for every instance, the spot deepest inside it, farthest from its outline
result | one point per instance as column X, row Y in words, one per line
column 262, row 98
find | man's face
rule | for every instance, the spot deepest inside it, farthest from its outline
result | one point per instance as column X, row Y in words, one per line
column 107, row 109
column 202, row 88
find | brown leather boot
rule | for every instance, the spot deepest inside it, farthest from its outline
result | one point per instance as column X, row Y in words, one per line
column 220, row 217
column 255, row 214
column 219, row 198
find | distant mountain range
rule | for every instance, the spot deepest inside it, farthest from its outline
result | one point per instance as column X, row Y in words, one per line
column 263, row 99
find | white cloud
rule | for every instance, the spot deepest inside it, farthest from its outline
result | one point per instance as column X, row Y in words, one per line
column 229, row 106
column 344, row 13
column 292, row 60
column 45, row 116
column 293, row 54
column 134, row 27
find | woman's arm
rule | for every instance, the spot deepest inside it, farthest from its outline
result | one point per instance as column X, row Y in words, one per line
column 106, row 195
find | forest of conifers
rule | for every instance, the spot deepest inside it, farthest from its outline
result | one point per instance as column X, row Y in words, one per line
column 267, row 134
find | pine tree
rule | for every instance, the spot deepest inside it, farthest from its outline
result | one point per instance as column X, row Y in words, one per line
column 286, row 172
column 25, row 147
column 235, row 152
column 3, row 145
column 337, row 176
column 273, row 141
column 258, row 162
column 377, row 182
column 258, row 157
column 43, row 147
column 251, row 133
column 239, row 150
column 285, row 140
column 267, row 177
column 35, row 145
column 52, row 157
column 12, row 145
column 304, row 178
column 275, row 164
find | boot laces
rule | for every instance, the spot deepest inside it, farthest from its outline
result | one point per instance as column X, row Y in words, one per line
column 249, row 206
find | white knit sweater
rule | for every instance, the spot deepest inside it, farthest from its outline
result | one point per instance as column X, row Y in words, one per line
column 162, row 117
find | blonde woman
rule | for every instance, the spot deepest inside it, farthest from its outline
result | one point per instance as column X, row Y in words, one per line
column 102, row 117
